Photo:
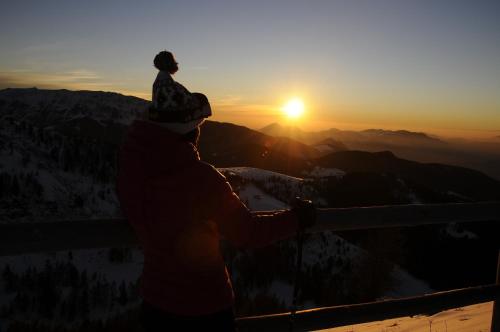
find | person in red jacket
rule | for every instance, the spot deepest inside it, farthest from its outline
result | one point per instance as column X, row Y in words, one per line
column 180, row 207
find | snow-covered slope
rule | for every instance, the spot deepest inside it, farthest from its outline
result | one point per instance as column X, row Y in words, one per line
column 334, row 256
column 257, row 200
column 53, row 106
column 68, row 288
column 46, row 176
column 474, row 318
column 58, row 152
column 251, row 173
column 263, row 190
column 281, row 186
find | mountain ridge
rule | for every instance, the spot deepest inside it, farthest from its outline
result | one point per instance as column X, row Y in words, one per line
column 483, row 156
column 294, row 131
column 64, row 166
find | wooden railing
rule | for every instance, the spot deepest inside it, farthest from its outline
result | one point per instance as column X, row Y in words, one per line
column 330, row 317
column 23, row 238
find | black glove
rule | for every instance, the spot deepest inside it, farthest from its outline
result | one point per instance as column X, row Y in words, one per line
column 305, row 211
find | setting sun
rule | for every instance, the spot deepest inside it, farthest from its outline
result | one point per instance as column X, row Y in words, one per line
column 294, row 108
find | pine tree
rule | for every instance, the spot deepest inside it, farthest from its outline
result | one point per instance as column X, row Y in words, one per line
column 112, row 295
column 9, row 278
column 49, row 295
column 15, row 186
column 84, row 280
column 84, row 302
column 63, row 309
column 72, row 305
column 74, row 276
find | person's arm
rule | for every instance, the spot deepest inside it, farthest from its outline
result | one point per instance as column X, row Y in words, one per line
column 245, row 229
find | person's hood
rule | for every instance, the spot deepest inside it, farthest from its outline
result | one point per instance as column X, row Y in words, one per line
column 157, row 147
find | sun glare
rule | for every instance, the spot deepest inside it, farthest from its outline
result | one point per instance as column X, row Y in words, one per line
column 294, row 108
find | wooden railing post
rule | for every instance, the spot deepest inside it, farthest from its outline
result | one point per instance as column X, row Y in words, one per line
column 495, row 319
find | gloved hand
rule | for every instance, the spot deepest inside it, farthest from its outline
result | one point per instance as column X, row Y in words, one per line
column 305, row 211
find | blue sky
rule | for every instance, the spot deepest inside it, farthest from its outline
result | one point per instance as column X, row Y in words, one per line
column 420, row 65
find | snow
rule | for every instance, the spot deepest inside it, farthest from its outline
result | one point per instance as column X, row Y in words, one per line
column 413, row 198
column 91, row 260
column 320, row 246
column 474, row 318
column 258, row 200
column 318, row 252
column 64, row 194
column 258, row 174
column 454, row 231
column 457, row 195
column 283, row 187
column 65, row 105
column 49, row 183
column 406, row 285
column 282, row 290
column 10, row 162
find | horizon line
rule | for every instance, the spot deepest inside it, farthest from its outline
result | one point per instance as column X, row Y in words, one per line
column 361, row 127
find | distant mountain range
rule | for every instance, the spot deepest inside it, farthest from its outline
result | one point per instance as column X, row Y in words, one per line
column 58, row 152
column 483, row 156
column 398, row 137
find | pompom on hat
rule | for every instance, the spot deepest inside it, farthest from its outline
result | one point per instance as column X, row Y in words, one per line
column 165, row 61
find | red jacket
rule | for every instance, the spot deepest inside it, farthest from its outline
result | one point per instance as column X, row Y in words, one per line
column 180, row 207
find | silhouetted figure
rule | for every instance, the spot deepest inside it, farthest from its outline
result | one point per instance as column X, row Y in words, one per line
column 180, row 207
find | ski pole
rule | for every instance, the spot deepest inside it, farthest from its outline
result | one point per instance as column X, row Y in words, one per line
column 300, row 242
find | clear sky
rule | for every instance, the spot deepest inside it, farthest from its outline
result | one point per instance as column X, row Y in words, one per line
column 431, row 65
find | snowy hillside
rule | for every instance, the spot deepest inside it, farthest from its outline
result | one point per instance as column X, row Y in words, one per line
column 58, row 152
column 260, row 188
column 325, row 254
column 49, row 107
column 251, row 173
column 257, row 200
column 68, row 288
column 45, row 176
